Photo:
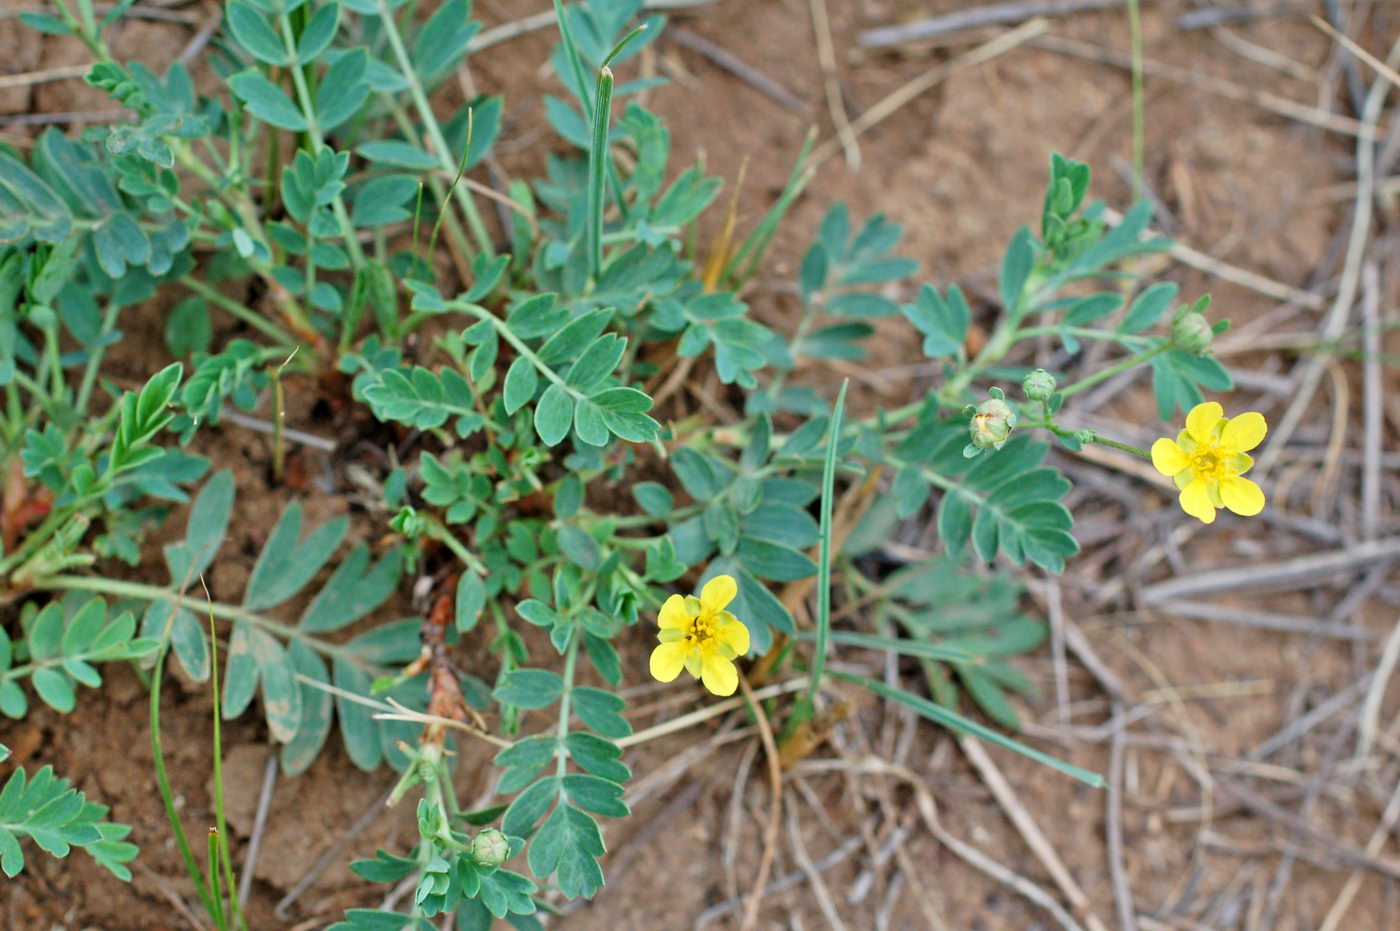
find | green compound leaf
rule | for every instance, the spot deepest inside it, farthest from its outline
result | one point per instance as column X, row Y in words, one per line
column 287, row 563
column 554, row 415
column 524, row 760
column 353, row 590
column 63, row 641
column 530, row 806
column 589, row 425
column 654, row 498
column 944, row 323
column 319, row 32
column 596, row 794
column 342, row 90
column 298, row 713
column 58, row 818
column 399, row 154
column 1016, row 268
column 1148, row 307
column 529, row 688
column 1178, row 377
column 568, row 846
column 424, row 399
column 267, row 101
column 1015, row 502
column 521, row 381
column 254, row 33
column 255, row 656
column 205, row 530
column 601, row 711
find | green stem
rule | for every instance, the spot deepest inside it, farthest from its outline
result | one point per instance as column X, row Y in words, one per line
column 86, row 30
column 109, row 321
column 313, row 129
column 219, row 821
column 1123, row 446
column 439, row 532
column 163, row 779
column 34, row 540
column 430, row 124
column 247, row 214
column 565, row 699
column 1139, row 106
column 518, row 344
column 1123, row 366
column 122, row 589
column 1082, row 332
column 455, row 233
column 255, row 320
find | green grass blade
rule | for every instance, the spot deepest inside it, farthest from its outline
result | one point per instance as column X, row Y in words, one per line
column 163, row 779
column 951, row 719
column 904, row 647
column 597, row 172
column 751, row 251
column 219, row 921
column 575, row 59
column 222, row 826
column 824, row 546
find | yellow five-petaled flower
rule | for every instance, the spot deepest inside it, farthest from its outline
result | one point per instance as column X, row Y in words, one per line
column 1208, row 459
column 698, row 635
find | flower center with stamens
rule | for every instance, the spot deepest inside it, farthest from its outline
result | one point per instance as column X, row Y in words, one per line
column 700, row 633
column 1208, row 463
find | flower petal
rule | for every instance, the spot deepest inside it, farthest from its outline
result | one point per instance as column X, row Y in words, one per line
column 1200, row 423
column 672, row 613
column 667, row 660
column 1195, row 500
column 1242, row 496
column 719, row 675
column 717, row 594
column 1168, row 458
column 735, row 636
column 1244, row 431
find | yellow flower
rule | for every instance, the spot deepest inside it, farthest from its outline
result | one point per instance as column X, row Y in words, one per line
column 698, row 635
column 1207, row 459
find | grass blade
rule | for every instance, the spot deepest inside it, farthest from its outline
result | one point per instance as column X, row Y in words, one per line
column 597, row 172
column 951, row 719
column 824, row 546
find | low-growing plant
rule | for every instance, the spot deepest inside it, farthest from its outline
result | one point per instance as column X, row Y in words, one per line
column 525, row 348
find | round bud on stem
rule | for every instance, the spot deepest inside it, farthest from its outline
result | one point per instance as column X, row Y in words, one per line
column 1038, row 385
column 1191, row 332
column 992, row 424
column 491, row 848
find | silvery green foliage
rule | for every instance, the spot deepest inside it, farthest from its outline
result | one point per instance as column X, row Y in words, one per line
column 529, row 409
column 57, row 818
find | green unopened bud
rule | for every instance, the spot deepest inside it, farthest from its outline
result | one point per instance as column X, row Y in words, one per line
column 992, row 424
column 1038, row 385
column 408, row 522
column 491, row 848
column 1191, row 332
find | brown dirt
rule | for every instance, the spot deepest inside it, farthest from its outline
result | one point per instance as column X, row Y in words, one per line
column 961, row 167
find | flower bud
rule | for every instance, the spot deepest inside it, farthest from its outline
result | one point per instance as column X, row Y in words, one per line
column 1038, row 385
column 1191, row 332
column 992, row 424
column 491, row 848
column 408, row 522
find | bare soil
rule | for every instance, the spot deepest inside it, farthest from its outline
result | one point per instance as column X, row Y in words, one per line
column 1211, row 837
